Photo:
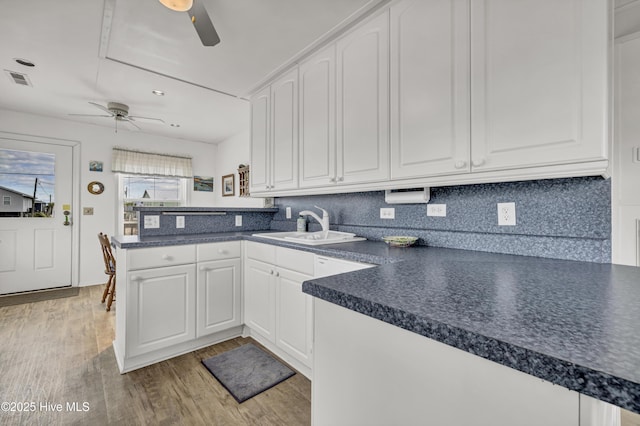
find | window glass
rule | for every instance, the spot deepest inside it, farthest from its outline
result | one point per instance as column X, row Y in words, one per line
column 27, row 183
column 148, row 191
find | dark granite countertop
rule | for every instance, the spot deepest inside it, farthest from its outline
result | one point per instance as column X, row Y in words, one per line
column 571, row 323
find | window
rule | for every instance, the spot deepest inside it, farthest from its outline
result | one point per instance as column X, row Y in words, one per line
column 148, row 179
column 148, row 191
column 27, row 178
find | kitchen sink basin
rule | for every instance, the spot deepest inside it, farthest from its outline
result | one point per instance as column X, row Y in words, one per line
column 312, row 238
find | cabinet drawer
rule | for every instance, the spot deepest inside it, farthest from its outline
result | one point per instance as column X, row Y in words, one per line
column 154, row 257
column 218, row 251
column 295, row 260
column 262, row 252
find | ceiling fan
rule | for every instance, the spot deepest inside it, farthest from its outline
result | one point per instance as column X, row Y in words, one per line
column 199, row 17
column 118, row 111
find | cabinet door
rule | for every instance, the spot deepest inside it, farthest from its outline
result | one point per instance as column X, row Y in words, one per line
column 430, row 97
column 317, row 119
column 259, row 298
column 363, row 102
column 161, row 309
column 260, row 141
column 284, row 136
column 539, row 82
column 295, row 316
column 218, row 296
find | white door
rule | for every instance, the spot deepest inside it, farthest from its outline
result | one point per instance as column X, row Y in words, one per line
column 284, row 125
column 430, row 121
column 295, row 316
column 539, row 82
column 362, row 108
column 218, row 296
column 318, row 119
column 260, row 128
column 35, row 252
column 259, row 298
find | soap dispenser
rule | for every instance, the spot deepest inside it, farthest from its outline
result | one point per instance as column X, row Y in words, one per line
column 302, row 224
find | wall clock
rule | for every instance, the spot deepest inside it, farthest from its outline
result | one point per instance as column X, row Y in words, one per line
column 95, row 187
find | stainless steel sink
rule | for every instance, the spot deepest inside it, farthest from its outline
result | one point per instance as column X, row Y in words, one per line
column 312, row 238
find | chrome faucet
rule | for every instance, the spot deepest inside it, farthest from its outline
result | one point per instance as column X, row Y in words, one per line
column 324, row 222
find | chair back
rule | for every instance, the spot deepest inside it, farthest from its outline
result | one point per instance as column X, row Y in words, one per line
column 107, row 254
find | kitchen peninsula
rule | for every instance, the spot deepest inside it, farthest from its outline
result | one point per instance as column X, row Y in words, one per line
column 569, row 323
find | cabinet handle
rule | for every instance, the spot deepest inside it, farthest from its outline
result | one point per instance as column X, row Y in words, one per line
column 167, row 257
column 460, row 164
column 340, row 179
column 136, row 278
column 277, row 274
column 478, row 163
column 332, row 180
column 222, row 251
column 271, row 272
column 204, row 268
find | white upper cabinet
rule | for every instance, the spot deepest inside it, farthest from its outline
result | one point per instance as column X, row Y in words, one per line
column 260, row 141
column 274, row 135
column 539, row 82
column 318, row 119
column 430, row 102
column 362, row 84
column 284, row 121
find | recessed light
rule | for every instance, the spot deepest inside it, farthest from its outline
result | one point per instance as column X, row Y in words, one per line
column 25, row 62
column 174, row 125
column 158, row 92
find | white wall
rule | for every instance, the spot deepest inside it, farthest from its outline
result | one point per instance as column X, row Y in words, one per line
column 231, row 153
column 96, row 143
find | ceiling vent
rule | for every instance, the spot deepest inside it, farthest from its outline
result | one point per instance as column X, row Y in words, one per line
column 19, row 78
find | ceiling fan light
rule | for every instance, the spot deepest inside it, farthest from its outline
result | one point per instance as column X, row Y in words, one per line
column 178, row 5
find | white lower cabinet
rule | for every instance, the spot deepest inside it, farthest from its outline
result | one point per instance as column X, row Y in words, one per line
column 175, row 299
column 162, row 308
column 259, row 298
column 218, row 298
column 294, row 321
column 276, row 311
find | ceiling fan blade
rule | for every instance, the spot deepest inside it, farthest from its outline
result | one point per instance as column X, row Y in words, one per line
column 203, row 25
column 102, row 107
column 91, row 115
column 127, row 119
column 135, row 117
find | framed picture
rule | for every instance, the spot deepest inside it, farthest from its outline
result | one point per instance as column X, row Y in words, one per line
column 95, row 166
column 228, row 185
column 203, row 183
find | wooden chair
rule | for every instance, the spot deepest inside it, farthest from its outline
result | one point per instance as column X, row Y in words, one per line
column 109, row 269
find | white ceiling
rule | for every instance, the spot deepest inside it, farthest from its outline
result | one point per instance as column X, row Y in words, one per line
column 120, row 50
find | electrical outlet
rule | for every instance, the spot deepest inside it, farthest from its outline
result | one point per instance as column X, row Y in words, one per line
column 238, row 220
column 387, row 213
column 288, row 210
column 507, row 214
column 437, row 210
column 87, row 211
column 179, row 221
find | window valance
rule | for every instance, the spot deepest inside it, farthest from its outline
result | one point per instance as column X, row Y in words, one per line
column 149, row 163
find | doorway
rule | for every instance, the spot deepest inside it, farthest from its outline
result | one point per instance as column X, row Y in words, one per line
column 36, row 221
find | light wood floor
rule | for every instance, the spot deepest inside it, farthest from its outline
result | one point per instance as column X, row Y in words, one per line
column 59, row 351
